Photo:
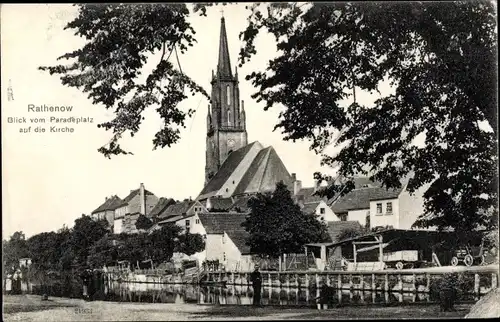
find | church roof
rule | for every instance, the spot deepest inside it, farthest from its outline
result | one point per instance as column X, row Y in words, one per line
column 307, row 195
column 260, row 172
column 227, row 168
column 241, row 203
column 265, row 171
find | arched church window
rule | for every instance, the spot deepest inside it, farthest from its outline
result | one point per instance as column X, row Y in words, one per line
column 228, row 117
column 228, row 94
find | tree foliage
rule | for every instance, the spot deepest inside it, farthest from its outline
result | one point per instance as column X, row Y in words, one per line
column 13, row 250
column 143, row 222
column 439, row 58
column 276, row 224
column 119, row 39
column 443, row 76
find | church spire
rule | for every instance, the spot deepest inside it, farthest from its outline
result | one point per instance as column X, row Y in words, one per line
column 224, row 65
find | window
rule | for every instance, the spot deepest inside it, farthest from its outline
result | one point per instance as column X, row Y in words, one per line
column 223, row 239
column 224, row 256
column 322, row 211
column 228, row 94
column 228, row 117
column 205, row 236
column 187, row 224
column 388, row 209
column 197, row 221
column 379, row 208
column 343, row 217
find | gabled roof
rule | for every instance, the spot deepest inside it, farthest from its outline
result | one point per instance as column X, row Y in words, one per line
column 335, row 228
column 264, row 172
column 310, row 207
column 161, row 205
column 134, row 193
column 228, row 222
column 176, row 209
column 220, row 203
column 360, row 198
column 227, row 168
column 110, row 204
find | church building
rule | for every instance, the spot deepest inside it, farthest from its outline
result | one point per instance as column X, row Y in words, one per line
column 234, row 168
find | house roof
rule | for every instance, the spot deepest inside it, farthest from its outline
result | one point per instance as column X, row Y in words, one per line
column 360, row 198
column 176, row 209
column 110, row 204
column 228, row 222
column 241, row 203
column 335, row 228
column 264, row 172
column 161, row 205
column 310, row 207
column 174, row 219
column 220, row 203
column 134, row 193
column 307, row 195
column 227, row 168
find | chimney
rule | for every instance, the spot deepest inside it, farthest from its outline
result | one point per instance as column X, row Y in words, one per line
column 143, row 199
column 294, row 176
column 106, row 199
column 297, row 186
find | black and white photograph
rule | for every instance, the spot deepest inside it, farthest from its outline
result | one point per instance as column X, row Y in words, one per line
column 250, row 161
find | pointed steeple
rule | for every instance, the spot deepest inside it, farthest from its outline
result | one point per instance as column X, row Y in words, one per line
column 224, row 65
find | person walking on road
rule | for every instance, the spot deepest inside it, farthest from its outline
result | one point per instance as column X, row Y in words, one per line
column 256, row 279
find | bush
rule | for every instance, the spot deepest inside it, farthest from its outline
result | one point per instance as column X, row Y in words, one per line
column 449, row 289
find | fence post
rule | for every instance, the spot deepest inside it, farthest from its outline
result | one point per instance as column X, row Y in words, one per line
column 400, row 283
column 428, row 282
column 327, row 280
column 414, row 283
column 494, row 280
column 297, row 280
column 307, row 281
column 317, row 280
column 287, row 280
column 386, row 282
column 476, row 284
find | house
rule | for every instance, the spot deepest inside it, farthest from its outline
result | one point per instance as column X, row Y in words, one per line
column 107, row 209
column 355, row 205
column 226, row 240
column 321, row 209
column 375, row 206
column 397, row 209
column 180, row 213
column 138, row 202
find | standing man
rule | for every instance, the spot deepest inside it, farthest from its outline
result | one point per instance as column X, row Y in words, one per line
column 257, row 285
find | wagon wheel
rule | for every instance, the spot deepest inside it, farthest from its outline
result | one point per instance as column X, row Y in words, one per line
column 482, row 259
column 454, row 261
column 399, row 265
column 468, row 260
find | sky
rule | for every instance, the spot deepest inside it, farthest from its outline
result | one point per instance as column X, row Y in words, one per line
column 50, row 179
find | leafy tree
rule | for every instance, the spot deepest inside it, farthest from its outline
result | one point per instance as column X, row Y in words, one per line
column 190, row 244
column 13, row 250
column 277, row 225
column 103, row 252
column 84, row 234
column 119, row 38
column 46, row 249
column 442, row 73
column 163, row 242
column 443, row 77
column 143, row 223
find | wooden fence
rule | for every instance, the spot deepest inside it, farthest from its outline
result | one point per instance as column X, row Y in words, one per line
column 410, row 280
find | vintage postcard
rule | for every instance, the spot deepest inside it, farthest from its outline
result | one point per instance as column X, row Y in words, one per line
column 230, row 161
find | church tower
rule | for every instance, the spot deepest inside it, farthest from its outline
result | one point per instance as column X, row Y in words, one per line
column 226, row 130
